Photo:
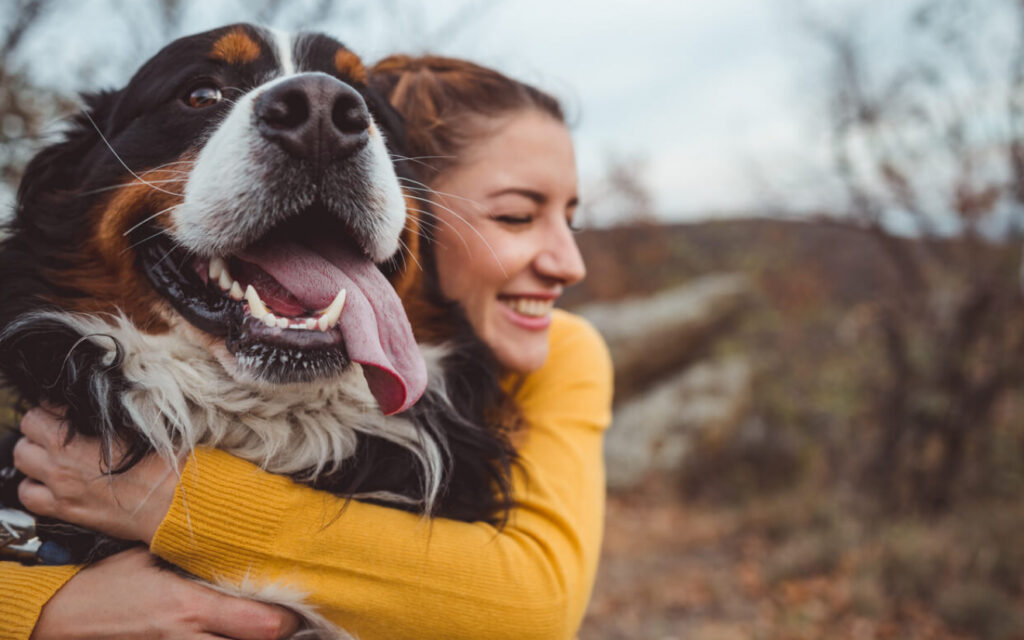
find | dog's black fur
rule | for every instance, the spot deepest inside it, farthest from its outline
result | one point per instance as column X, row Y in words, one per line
column 48, row 238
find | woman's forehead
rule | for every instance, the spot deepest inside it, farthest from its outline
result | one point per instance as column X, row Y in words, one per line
column 529, row 152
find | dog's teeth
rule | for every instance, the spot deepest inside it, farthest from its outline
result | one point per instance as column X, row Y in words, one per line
column 256, row 306
column 224, row 280
column 236, row 292
column 322, row 323
column 311, row 323
column 333, row 312
column 217, row 267
column 270, row 320
column 283, row 323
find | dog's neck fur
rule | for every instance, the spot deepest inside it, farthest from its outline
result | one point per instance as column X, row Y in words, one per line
column 180, row 397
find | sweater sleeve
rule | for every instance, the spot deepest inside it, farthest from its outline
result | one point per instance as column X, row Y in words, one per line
column 23, row 592
column 384, row 573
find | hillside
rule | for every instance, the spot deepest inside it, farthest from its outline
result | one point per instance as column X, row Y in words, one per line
column 767, row 528
column 792, row 258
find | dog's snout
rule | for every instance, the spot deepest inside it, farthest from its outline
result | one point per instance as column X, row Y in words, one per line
column 314, row 117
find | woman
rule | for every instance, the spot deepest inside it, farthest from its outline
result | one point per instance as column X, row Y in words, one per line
column 500, row 202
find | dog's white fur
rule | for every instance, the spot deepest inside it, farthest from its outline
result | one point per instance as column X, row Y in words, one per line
column 254, row 588
column 226, row 188
column 181, row 397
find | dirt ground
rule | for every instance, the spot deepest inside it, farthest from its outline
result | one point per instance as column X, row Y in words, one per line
column 672, row 570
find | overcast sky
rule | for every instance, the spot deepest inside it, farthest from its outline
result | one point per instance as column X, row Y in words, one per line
column 713, row 96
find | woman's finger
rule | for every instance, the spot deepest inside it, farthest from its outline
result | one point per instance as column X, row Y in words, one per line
column 32, row 459
column 44, row 427
column 248, row 620
column 37, row 498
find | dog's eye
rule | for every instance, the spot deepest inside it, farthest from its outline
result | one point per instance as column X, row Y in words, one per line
column 203, row 96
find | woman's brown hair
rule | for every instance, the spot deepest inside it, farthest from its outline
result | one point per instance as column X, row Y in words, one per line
column 446, row 103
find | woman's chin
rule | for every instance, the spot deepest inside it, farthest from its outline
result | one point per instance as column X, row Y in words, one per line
column 520, row 353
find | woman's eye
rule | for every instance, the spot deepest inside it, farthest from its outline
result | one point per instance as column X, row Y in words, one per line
column 514, row 218
column 202, row 96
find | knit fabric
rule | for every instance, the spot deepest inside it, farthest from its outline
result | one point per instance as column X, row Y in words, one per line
column 23, row 592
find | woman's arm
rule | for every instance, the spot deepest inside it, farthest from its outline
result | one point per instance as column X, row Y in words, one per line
column 380, row 572
column 23, row 592
column 127, row 596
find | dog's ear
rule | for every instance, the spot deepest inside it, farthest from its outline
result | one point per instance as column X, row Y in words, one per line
column 57, row 169
column 398, row 269
column 387, row 117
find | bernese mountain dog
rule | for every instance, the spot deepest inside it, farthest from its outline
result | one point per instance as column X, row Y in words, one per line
column 218, row 255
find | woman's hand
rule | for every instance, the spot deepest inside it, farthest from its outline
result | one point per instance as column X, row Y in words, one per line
column 128, row 596
column 66, row 482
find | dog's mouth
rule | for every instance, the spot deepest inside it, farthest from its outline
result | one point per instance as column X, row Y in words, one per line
column 299, row 304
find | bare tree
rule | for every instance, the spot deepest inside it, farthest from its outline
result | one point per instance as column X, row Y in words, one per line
column 621, row 195
column 25, row 107
column 929, row 148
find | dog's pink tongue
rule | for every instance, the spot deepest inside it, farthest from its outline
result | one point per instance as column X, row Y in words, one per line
column 376, row 329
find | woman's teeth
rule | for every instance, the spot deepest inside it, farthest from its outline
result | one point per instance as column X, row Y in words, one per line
column 533, row 307
column 324, row 320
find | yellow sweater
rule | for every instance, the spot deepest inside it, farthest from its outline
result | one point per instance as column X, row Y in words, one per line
column 384, row 573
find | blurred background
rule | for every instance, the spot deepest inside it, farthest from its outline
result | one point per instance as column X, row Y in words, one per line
column 803, row 224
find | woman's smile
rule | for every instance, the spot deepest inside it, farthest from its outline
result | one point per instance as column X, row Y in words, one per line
column 529, row 312
column 505, row 248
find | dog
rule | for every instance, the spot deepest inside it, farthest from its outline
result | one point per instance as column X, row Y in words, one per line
column 217, row 255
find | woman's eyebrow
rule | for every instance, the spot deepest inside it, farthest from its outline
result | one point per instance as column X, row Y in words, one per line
column 535, row 196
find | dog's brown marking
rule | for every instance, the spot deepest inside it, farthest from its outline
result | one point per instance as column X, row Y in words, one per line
column 350, row 66
column 106, row 267
column 235, row 47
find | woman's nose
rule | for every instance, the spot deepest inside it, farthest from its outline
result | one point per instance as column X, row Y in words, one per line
column 560, row 257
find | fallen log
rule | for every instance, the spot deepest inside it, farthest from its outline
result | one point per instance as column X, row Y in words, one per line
column 653, row 337
column 657, row 431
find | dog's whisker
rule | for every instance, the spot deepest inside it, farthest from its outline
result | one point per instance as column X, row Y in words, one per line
column 410, row 254
column 418, row 159
column 118, row 157
column 401, row 157
column 444, row 194
column 445, row 222
column 114, row 187
column 185, row 257
column 467, row 223
column 171, row 164
column 169, row 253
column 147, row 219
column 143, row 241
column 425, row 223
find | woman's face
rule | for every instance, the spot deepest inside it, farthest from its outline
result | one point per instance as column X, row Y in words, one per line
column 504, row 245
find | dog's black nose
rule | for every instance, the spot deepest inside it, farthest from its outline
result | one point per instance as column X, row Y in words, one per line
column 314, row 116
